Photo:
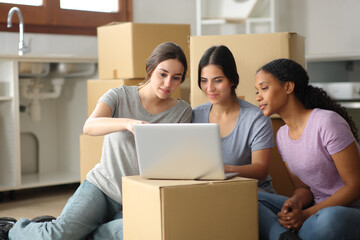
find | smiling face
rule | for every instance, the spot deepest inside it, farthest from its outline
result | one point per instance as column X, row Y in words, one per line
column 271, row 95
column 215, row 84
column 166, row 77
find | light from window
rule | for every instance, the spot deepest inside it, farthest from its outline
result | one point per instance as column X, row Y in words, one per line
column 24, row 2
column 108, row 6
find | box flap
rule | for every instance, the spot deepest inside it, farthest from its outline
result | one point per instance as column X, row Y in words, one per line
column 112, row 24
column 159, row 183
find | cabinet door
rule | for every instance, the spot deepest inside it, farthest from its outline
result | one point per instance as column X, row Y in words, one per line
column 328, row 25
column 9, row 125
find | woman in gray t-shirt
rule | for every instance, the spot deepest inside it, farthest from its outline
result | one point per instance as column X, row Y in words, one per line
column 246, row 134
column 95, row 209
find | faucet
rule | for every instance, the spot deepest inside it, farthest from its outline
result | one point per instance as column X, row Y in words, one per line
column 22, row 47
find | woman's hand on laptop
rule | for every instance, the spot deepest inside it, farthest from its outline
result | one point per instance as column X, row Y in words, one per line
column 132, row 122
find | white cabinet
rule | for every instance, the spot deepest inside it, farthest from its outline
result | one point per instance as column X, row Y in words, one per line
column 9, row 126
column 44, row 151
column 329, row 26
column 216, row 17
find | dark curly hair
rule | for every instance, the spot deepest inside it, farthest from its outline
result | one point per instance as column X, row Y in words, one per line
column 286, row 70
column 222, row 57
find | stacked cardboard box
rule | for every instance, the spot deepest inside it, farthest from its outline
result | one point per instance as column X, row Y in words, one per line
column 123, row 49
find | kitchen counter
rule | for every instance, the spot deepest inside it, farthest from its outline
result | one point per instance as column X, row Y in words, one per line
column 32, row 57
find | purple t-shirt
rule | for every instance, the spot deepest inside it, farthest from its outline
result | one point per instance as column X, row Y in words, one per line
column 309, row 157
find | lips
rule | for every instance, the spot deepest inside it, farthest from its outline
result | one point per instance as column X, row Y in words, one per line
column 262, row 106
column 212, row 95
column 165, row 91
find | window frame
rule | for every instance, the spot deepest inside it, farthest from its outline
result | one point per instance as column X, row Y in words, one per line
column 49, row 18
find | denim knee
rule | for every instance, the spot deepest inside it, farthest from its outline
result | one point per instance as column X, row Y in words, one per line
column 333, row 223
column 332, row 217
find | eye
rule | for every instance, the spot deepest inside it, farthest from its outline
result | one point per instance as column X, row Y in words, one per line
column 203, row 80
column 177, row 78
column 162, row 74
column 264, row 88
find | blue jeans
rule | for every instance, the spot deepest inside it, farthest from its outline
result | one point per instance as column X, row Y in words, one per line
column 327, row 224
column 89, row 214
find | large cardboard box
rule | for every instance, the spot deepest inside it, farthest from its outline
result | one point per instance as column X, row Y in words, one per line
column 188, row 209
column 97, row 88
column 251, row 51
column 90, row 153
column 123, row 48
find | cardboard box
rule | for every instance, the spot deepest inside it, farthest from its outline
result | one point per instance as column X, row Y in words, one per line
column 123, row 48
column 188, row 209
column 251, row 51
column 97, row 88
column 280, row 177
column 90, row 153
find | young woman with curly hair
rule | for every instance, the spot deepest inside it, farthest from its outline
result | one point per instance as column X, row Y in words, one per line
column 319, row 147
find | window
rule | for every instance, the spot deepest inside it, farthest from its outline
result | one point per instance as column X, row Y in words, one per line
column 24, row 2
column 59, row 16
column 109, row 6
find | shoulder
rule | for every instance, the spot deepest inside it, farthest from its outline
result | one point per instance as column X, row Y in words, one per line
column 327, row 116
column 249, row 107
column 334, row 131
column 252, row 112
column 202, row 108
column 127, row 90
column 183, row 104
column 326, row 120
column 201, row 112
column 122, row 91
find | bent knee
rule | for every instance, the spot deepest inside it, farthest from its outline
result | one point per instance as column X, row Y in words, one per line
column 332, row 222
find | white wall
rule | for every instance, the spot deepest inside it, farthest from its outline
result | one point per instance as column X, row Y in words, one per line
column 144, row 11
column 165, row 11
column 50, row 44
column 328, row 25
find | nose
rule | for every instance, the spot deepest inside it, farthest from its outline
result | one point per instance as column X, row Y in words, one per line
column 210, row 86
column 258, row 97
column 167, row 81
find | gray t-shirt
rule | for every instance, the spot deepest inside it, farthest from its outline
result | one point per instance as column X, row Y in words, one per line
column 119, row 157
column 253, row 131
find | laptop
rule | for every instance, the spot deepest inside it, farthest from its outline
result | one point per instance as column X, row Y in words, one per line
column 180, row 151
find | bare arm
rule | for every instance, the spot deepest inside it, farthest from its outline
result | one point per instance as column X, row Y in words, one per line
column 302, row 192
column 259, row 167
column 291, row 214
column 100, row 122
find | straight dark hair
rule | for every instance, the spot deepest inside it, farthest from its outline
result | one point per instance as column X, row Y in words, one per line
column 163, row 52
column 286, row 70
column 222, row 57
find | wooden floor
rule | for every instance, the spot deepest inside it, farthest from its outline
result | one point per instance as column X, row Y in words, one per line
column 30, row 203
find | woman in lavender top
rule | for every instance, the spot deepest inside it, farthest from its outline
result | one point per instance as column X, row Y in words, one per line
column 319, row 147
